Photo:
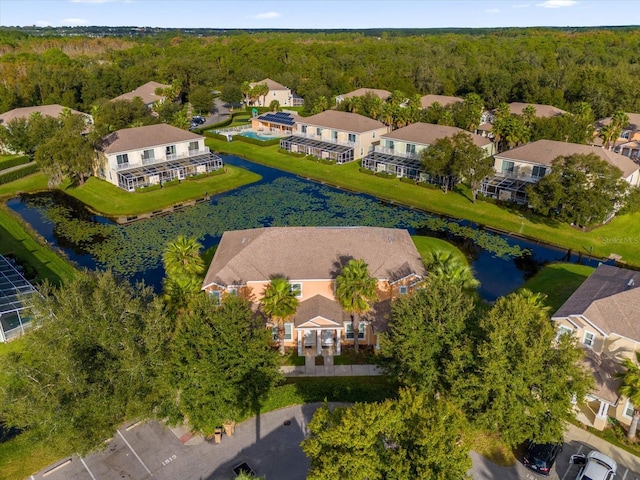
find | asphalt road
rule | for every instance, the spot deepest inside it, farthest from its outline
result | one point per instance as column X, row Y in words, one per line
column 270, row 444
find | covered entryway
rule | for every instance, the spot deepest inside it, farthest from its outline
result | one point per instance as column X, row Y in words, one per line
column 319, row 325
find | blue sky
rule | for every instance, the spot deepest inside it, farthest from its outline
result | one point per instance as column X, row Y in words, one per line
column 320, row 14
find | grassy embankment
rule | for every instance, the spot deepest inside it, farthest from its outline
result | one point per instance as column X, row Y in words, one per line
column 621, row 236
column 558, row 281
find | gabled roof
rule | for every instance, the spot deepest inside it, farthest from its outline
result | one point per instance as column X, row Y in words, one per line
column 543, row 152
column 610, row 299
column 428, row 133
column 444, row 100
column 542, row 111
column 146, row 92
column 53, row 110
column 346, row 121
column 273, row 85
column 360, row 92
column 311, row 253
column 138, row 138
column 319, row 311
column 634, row 122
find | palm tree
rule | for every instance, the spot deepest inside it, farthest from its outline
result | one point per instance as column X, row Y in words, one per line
column 630, row 388
column 279, row 302
column 182, row 257
column 446, row 266
column 355, row 288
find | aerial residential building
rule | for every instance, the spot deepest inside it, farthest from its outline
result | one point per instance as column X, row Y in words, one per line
column 361, row 92
column 146, row 93
column 427, row 101
column 603, row 314
column 278, row 92
column 517, row 108
column 333, row 135
column 311, row 259
column 53, row 110
column 15, row 291
column 628, row 143
column 143, row 156
column 523, row 166
column 399, row 151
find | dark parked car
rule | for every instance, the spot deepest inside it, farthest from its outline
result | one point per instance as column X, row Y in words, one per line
column 198, row 120
column 540, row 457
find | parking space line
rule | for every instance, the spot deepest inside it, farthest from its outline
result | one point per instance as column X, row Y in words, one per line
column 134, row 452
column 571, row 464
column 87, row 468
column 625, row 473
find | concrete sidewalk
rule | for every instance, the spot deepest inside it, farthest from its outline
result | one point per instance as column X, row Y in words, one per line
column 329, row 370
column 629, row 460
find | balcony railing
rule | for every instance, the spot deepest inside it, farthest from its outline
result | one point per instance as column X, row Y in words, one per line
column 395, row 153
column 167, row 158
column 519, row 176
column 319, row 138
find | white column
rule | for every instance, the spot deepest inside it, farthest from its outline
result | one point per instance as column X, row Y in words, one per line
column 604, row 408
column 338, row 342
column 300, row 335
column 319, row 341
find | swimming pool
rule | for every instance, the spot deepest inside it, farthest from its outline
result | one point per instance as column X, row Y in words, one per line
column 252, row 134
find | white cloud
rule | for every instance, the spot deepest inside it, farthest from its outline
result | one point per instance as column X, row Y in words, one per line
column 43, row 23
column 492, row 10
column 557, row 3
column 267, row 15
column 521, row 5
column 75, row 21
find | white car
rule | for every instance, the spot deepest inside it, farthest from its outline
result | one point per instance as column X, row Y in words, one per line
column 595, row 466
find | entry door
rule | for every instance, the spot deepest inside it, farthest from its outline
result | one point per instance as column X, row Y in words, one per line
column 327, row 338
column 309, row 338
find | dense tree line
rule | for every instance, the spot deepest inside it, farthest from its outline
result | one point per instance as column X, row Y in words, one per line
column 528, row 65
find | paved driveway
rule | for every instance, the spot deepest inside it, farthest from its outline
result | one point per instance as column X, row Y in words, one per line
column 270, row 444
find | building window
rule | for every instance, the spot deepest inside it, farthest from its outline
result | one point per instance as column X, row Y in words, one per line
column 403, row 290
column 348, row 330
column 296, row 289
column 193, row 146
column 588, row 339
column 303, row 128
column 170, row 150
column 215, row 294
column 334, row 135
column 410, row 148
column 507, row 166
column 373, row 134
column 122, row 159
column 148, row 155
column 389, row 144
column 628, row 409
column 319, row 131
column 288, row 332
column 564, row 330
column 625, row 134
column 233, row 291
column 539, row 171
column 352, row 137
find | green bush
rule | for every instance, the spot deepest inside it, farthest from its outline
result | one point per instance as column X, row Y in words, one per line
column 293, row 154
column 367, row 171
column 386, row 175
column 408, row 180
column 150, row 188
column 428, row 185
column 217, row 136
column 13, row 162
column 325, row 161
column 16, row 174
column 171, row 183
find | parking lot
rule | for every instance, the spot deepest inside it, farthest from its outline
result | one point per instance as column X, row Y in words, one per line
column 269, row 444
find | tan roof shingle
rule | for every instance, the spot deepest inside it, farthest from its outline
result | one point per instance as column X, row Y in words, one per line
column 345, row 121
column 146, row 92
column 542, row 111
column 303, row 253
column 428, row 133
column 53, row 110
column 137, row 138
column 273, row 85
column 543, row 152
column 360, row 92
column 444, row 100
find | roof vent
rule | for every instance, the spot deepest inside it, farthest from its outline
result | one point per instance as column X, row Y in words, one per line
column 244, row 239
column 390, row 238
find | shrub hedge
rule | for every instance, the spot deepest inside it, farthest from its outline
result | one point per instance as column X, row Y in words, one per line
column 16, row 174
column 255, row 141
column 13, row 162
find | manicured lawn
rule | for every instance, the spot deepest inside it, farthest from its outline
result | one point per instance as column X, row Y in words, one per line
column 108, row 199
column 558, row 281
column 427, row 245
column 621, row 236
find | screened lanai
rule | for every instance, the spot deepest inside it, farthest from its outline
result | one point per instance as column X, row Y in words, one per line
column 505, row 188
column 394, row 164
column 14, row 293
column 158, row 173
column 317, row 148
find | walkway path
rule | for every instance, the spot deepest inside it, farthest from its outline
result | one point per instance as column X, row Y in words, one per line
column 17, row 167
column 329, row 370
